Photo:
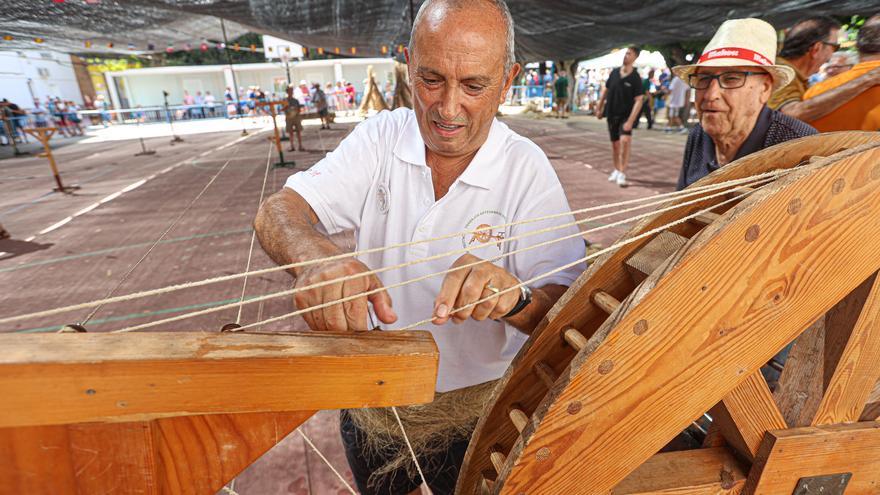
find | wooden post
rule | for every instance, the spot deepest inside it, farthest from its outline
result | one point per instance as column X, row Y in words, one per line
column 277, row 137
column 43, row 135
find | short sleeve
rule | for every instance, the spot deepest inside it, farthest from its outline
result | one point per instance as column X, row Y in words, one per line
column 336, row 187
column 543, row 259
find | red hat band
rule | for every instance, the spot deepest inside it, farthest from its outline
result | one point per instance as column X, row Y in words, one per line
column 738, row 53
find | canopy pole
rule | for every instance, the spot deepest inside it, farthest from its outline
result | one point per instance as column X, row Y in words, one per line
column 244, row 131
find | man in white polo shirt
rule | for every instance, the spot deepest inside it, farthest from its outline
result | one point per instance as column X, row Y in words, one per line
column 445, row 167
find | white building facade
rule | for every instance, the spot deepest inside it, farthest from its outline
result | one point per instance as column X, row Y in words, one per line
column 29, row 74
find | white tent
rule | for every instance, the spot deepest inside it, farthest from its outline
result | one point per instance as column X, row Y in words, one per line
column 653, row 60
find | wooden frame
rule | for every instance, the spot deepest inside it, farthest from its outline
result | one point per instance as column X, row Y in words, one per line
column 164, row 413
column 692, row 336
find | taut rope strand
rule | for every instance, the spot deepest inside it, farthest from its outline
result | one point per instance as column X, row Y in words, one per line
column 327, row 462
column 411, row 451
column 247, row 267
column 399, row 284
column 156, row 243
column 172, row 288
column 424, row 277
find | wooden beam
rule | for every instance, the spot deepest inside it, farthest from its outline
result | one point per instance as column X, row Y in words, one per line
column 789, row 455
column 800, row 384
column 713, row 471
column 746, row 413
column 853, row 370
column 75, row 378
column 643, row 262
column 184, row 455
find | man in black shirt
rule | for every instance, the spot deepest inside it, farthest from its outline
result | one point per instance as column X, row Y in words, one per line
column 621, row 103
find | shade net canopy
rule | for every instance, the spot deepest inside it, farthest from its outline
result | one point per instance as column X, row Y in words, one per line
column 545, row 29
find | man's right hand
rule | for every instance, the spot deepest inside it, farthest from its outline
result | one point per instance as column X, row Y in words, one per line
column 351, row 315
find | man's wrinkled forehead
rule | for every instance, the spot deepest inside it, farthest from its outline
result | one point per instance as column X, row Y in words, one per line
column 466, row 33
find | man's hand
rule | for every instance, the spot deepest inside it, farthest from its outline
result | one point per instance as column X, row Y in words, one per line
column 348, row 316
column 467, row 285
column 627, row 126
column 600, row 113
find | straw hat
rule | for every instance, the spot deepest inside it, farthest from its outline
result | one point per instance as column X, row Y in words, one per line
column 738, row 43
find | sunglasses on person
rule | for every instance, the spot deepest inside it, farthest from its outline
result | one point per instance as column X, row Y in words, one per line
column 727, row 80
column 836, row 46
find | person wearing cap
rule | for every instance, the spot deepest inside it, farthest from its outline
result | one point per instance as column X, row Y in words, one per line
column 853, row 115
column 808, row 45
column 733, row 79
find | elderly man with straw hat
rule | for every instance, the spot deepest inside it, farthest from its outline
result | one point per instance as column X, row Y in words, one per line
column 733, row 79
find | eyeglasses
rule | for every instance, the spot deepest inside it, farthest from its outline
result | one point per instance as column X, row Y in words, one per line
column 836, row 46
column 727, row 80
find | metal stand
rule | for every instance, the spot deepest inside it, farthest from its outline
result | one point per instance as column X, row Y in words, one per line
column 244, row 131
column 43, row 134
column 144, row 150
column 174, row 137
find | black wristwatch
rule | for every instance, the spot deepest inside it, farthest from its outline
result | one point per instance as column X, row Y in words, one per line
column 525, row 297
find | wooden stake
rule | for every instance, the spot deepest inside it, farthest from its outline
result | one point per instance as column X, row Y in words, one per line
column 498, row 459
column 545, row 373
column 519, row 418
column 605, row 301
column 43, row 135
column 575, row 339
column 706, row 218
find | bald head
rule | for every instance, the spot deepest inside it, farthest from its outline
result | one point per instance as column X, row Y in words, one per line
column 433, row 13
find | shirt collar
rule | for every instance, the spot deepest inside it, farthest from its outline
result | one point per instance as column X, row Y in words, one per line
column 800, row 77
column 484, row 168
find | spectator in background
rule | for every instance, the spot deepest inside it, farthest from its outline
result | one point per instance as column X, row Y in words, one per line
column 188, row 101
column 675, row 108
column 341, row 98
column 293, row 119
column 648, row 89
column 39, row 113
column 734, row 79
column 352, row 94
column 199, row 101
column 210, row 101
column 809, row 44
column 102, row 105
column 839, row 62
column 320, row 100
column 852, row 114
column 621, row 103
column 560, row 88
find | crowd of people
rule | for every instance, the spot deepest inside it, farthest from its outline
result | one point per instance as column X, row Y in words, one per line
column 55, row 112
column 251, row 101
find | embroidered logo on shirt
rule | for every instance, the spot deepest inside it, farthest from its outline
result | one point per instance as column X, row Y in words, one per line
column 383, row 199
column 482, row 231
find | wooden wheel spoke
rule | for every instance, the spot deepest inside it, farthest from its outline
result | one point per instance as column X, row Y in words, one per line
column 746, row 413
column 853, row 372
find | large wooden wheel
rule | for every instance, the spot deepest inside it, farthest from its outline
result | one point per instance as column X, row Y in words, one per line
column 662, row 330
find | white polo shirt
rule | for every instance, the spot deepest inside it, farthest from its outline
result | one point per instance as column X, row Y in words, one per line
column 377, row 183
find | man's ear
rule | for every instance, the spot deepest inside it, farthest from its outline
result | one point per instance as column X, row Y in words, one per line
column 509, row 78
column 766, row 89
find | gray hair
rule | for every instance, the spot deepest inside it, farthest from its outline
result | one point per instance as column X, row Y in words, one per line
column 499, row 5
column 849, row 58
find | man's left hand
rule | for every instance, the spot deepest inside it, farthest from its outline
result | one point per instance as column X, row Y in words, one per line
column 467, row 285
column 627, row 127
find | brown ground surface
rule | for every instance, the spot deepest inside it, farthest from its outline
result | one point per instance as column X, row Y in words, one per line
column 92, row 253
